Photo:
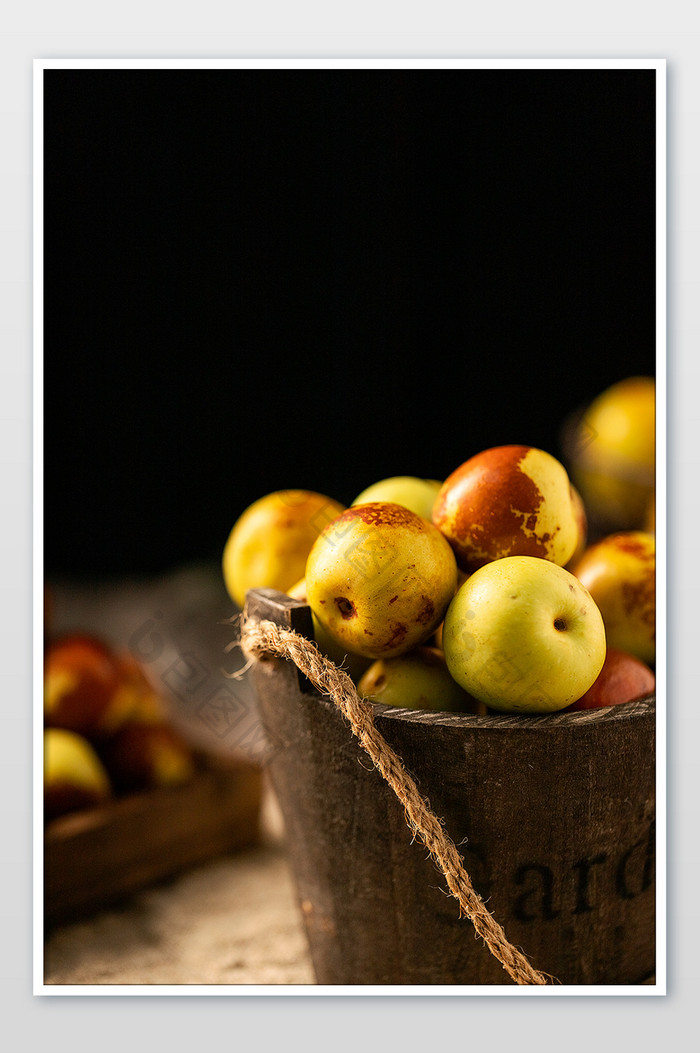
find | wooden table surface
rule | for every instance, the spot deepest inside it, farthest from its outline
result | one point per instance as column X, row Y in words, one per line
column 234, row 920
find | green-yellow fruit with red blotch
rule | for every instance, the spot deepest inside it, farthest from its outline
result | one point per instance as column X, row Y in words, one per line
column 145, row 755
column 619, row 571
column 353, row 664
column 380, row 578
column 407, row 490
column 271, row 540
column 508, row 501
column 613, row 453
column 437, row 636
column 582, row 521
column 74, row 775
column 624, row 678
column 417, row 680
column 85, row 687
column 523, row 635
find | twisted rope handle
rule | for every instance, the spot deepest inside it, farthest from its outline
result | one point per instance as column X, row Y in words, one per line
column 259, row 638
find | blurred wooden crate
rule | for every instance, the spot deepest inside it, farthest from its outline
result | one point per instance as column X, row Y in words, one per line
column 97, row 857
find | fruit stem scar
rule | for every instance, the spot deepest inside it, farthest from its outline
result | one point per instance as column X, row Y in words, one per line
column 345, row 606
column 560, row 624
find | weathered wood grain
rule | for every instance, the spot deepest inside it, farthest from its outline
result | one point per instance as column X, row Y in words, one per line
column 554, row 817
column 95, row 858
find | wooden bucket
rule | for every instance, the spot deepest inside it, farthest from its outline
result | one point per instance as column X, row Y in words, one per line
column 553, row 816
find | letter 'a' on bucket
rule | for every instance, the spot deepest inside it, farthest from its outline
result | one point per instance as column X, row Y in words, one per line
column 553, row 817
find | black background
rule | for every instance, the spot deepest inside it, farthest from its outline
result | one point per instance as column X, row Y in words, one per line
column 276, row 278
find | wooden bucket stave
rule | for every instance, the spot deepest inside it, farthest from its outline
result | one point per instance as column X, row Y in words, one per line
column 553, row 815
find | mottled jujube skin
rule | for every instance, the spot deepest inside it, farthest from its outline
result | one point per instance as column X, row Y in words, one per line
column 623, row 678
column 271, row 540
column 508, row 501
column 523, row 635
column 380, row 578
column 416, row 494
column 84, row 687
column 619, row 571
column 417, row 680
column 613, row 454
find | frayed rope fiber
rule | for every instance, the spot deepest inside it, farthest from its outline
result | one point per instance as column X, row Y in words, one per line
column 258, row 638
